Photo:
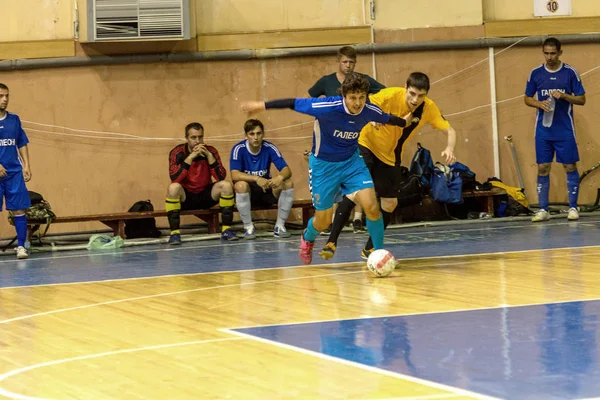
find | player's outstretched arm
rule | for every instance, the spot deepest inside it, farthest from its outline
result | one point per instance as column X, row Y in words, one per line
column 253, row 107
column 448, row 153
column 397, row 121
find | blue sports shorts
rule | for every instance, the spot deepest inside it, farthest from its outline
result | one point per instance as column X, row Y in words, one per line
column 327, row 178
column 14, row 191
column 566, row 151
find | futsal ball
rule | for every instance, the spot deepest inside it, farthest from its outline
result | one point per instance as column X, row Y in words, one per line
column 381, row 263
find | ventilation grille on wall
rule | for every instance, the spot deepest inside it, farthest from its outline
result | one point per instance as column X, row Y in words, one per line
column 140, row 19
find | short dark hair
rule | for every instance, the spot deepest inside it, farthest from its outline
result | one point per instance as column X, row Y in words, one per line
column 355, row 83
column 552, row 41
column 418, row 80
column 194, row 125
column 3, row 86
column 253, row 123
column 347, row 51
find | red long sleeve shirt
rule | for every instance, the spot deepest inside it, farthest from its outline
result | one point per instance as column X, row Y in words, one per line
column 197, row 176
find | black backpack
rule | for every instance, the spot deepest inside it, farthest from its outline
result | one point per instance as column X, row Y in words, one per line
column 412, row 190
column 143, row 227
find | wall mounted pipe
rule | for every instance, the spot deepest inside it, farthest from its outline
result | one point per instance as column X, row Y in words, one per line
column 79, row 61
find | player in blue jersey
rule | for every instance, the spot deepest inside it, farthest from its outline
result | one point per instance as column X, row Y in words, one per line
column 14, row 169
column 557, row 87
column 335, row 161
column 250, row 166
column 330, row 85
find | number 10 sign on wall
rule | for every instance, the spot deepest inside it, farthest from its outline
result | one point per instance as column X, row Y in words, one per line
column 550, row 8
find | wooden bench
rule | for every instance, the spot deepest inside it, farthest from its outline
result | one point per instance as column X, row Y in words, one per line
column 486, row 197
column 116, row 221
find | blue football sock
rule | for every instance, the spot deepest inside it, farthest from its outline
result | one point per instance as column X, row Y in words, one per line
column 21, row 228
column 543, row 189
column 573, row 187
column 375, row 229
column 310, row 234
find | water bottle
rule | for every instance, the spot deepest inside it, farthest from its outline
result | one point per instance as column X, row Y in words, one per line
column 549, row 115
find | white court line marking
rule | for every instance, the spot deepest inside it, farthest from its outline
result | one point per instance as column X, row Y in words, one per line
column 416, row 313
column 97, row 355
column 433, row 396
column 409, row 378
column 188, row 246
column 151, row 296
column 347, row 263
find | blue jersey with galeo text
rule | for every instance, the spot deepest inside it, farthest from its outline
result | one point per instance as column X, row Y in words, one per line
column 12, row 138
column 336, row 131
column 258, row 164
column 543, row 82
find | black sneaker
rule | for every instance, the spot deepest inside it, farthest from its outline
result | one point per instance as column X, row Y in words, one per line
column 175, row 239
column 326, row 232
column 358, row 226
column 366, row 253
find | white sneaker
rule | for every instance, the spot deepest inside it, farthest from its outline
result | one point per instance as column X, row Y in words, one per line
column 22, row 252
column 573, row 214
column 541, row 215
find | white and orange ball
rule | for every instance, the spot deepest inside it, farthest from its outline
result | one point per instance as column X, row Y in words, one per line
column 381, row 263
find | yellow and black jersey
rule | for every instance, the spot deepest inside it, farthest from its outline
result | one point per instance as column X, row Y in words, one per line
column 386, row 141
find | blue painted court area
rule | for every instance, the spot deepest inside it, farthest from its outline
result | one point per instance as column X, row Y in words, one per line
column 216, row 256
column 532, row 352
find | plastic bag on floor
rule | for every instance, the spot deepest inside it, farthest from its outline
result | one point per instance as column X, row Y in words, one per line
column 101, row 242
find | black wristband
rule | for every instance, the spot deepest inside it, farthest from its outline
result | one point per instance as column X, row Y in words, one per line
column 397, row 121
column 281, row 103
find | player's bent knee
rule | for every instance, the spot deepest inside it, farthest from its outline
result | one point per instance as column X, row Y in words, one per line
column 241, row 187
column 389, row 204
column 174, row 190
column 570, row 167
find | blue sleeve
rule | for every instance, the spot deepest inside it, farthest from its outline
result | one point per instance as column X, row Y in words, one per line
column 576, row 85
column 22, row 139
column 324, row 105
column 235, row 164
column 374, row 113
column 276, row 157
column 531, row 87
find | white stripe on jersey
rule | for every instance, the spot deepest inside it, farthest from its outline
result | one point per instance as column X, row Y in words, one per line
column 531, row 73
column 326, row 104
column 236, row 150
column 271, row 145
column 570, row 114
column 317, row 133
column 374, row 108
column 573, row 69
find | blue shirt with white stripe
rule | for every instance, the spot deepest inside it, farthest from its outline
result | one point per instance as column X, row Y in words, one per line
column 542, row 82
column 336, row 130
column 258, row 164
column 12, row 138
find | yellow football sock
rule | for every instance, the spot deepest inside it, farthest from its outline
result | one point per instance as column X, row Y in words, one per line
column 173, row 204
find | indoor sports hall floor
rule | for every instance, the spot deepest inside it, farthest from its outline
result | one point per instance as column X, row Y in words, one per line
column 480, row 310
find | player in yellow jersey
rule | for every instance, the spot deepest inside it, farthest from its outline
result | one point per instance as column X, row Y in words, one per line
column 381, row 147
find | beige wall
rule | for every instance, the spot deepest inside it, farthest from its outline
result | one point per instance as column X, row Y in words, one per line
column 26, row 20
column 85, row 176
column 404, row 14
column 221, row 16
column 497, row 10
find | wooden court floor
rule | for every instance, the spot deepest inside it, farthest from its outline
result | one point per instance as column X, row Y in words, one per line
column 495, row 310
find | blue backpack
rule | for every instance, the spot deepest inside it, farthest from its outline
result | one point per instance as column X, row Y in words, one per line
column 422, row 165
column 446, row 185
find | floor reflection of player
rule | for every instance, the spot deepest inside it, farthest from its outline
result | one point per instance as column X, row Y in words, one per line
column 566, row 346
column 378, row 342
